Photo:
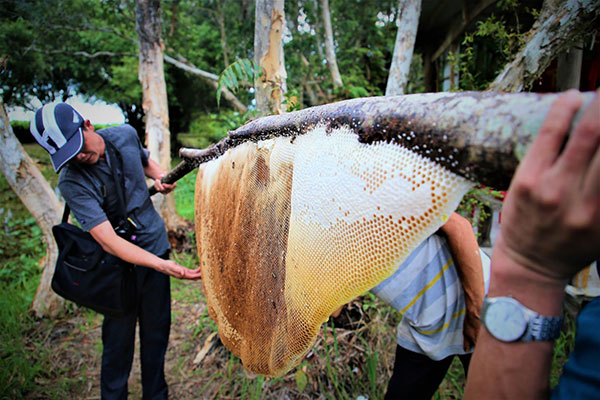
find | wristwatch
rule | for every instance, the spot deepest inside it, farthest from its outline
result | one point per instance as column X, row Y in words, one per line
column 510, row 321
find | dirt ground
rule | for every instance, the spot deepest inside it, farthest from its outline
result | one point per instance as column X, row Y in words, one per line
column 76, row 348
column 198, row 366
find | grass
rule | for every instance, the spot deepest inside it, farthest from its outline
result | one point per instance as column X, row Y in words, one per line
column 184, row 195
column 25, row 365
column 562, row 349
column 60, row 359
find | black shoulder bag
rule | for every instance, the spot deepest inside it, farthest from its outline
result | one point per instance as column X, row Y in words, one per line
column 88, row 275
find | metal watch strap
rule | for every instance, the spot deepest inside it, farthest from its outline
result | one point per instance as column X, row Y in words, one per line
column 543, row 328
column 500, row 325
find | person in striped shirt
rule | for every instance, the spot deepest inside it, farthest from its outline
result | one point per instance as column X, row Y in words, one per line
column 438, row 290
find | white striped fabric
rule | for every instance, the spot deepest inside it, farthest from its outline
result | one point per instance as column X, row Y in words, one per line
column 427, row 292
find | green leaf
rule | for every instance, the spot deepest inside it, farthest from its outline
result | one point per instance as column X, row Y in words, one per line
column 301, row 380
column 236, row 75
column 232, row 79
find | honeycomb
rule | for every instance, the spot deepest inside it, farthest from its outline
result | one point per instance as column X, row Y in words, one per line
column 289, row 229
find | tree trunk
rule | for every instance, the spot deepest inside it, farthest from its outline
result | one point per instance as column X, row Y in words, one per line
column 41, row 201
column 154, row 98
column 318, row 31
column 430, row 75
column 312, row 97
column 220, row 17
column 268, row 53
column 407, row 23
column 329, row 45
column 560, row 24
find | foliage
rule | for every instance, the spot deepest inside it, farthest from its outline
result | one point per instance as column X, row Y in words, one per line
column 363, row 45
column 476, row 207
column 353, row 91
column 55, row 48
column 563, row 347
column 352, row 357
column 416, row 78
column 491, row 45
column 24, row 366
column 241, row 73
column 207, row 129
column 184, row 196
column 291, row 101
column 20, row 262
column 21, row 131
column 191, row 32
column 19, row 125
column 365, row 42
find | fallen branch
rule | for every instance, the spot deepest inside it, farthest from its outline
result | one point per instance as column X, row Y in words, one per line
column 212, row 80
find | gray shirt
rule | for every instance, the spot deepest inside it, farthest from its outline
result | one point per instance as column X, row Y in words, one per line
column 82, row 187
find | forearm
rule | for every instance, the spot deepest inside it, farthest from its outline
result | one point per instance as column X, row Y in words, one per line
column 131, row 253
column 467, row 260
column 549, row 232
column 500, row 370
column 115, row 245
column 153, row 170
column 126, row 251
column 470, row 274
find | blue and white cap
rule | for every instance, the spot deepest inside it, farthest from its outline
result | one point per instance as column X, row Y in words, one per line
column 57, row 128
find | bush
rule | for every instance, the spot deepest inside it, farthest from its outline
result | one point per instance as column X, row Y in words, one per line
column 21, row 131
column 207, row 129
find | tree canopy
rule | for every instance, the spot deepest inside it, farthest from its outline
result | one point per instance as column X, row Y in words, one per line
column 53, row 49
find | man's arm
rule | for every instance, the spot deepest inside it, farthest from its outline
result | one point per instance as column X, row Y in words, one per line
column 117, row 246
column 550, row 230
column 467, row 260
column 155, row 172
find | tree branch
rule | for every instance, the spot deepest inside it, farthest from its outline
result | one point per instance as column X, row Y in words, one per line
column 480, row 136
column 211, row 78
column 558, row 26
column 187, row 66
column 83, row 53
column 182, row 63
column 459, row 25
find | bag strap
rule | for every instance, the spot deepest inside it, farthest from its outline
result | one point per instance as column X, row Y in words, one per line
column 119, row 185
column 114, row 158
column 66, row 213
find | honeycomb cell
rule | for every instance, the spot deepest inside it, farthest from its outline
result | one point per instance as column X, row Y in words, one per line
column 301, row 228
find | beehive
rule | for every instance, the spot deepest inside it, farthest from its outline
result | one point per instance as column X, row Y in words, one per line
column 290, row 228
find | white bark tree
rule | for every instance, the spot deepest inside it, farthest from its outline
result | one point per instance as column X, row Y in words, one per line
column 38, row 197
column 329, row 45
column 220, row 19
column 268, row 54
column 154, row 98
column 560, row 23
column 317, row 26
column 407, row 22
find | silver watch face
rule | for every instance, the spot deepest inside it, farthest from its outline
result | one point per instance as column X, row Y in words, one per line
column 505, row 320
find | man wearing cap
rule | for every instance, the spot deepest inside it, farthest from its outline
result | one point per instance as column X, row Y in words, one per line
column 87, row 184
